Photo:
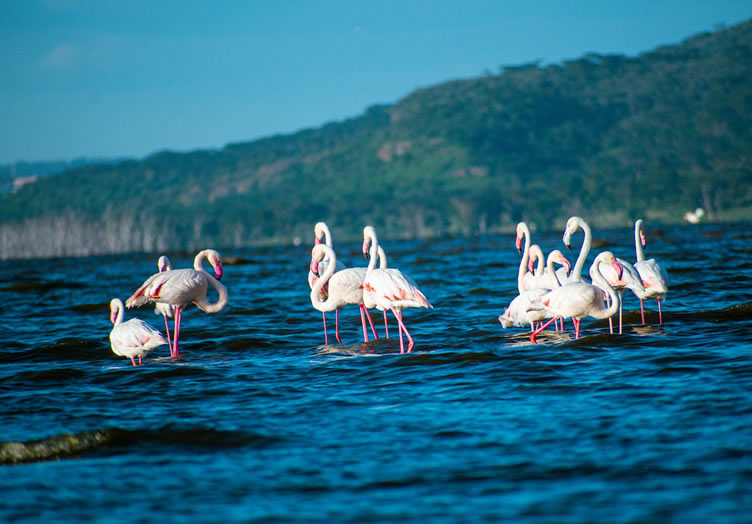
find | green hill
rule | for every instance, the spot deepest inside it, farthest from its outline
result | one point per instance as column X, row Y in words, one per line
column 608, row 137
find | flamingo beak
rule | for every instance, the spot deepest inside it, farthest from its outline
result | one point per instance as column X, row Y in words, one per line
column 318, row 241
column 531, row 265
column 643, row 239
column 567, row 265
column 112, row 317
column 218, row 271
column 518, row 244
column 314, row 266
column 618, row 267
column 365, row 250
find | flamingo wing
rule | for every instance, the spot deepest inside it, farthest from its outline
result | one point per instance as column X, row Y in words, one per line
column 176, row 287
column 574, row 300
column 653, row 276
column 389, row 288
column 134, row 338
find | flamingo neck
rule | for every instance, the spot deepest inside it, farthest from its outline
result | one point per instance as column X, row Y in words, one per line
column 524, row 261
column 550, row 267
column 325, row 305
column 600, row 281
column 638, row 241
column 382, row 259
column 213, row 307
column 369, row 237
column 584, row 250
column 117, row 314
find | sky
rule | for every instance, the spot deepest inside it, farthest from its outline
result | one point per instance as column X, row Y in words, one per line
column 114, row 79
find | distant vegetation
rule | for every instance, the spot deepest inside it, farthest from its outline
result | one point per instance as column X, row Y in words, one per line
column 609, row 137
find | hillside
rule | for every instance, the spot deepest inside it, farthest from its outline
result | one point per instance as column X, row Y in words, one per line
column 609, row 137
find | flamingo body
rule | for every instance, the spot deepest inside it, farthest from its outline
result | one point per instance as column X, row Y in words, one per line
column 134, row 338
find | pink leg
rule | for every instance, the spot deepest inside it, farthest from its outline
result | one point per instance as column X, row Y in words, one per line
column 660, row 313
column 411, row 343
column 363, row 321
column 139, row 360
column 133, row 360
column 178, row 316
column 642, row 313
column 373, row 329
column 621, row 302
column 534, row 334
column 386, row 325
column 336, row 325
column 167, row 329
column 326, row 335
column 576, row 322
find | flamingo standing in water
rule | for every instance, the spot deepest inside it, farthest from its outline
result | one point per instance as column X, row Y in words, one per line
column 134, row 338
column 654, row 277
column 389, row 288
column 180, row 287
column 524, row 309
column 528, row 277
column 578, row 299
column 165, row 310
column 321, row 232
column 343, row 287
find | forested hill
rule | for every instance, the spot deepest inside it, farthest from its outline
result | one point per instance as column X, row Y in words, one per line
column 610, row 137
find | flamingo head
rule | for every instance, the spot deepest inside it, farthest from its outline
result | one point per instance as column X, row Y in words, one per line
column 114, row 309
column 366, row 248
column 561, row 259
column 215, row 259
column 314, row 267
column 519, row 237
column 609, row 257
column 506, row 320
column 319, row 231
column 531, row 262
column 164, row 264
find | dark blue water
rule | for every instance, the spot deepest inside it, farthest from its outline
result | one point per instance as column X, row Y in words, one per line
column 257, row 421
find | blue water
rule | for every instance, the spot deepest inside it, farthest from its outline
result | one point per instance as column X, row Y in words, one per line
column 258, row 421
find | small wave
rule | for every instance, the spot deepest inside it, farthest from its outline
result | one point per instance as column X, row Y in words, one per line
column 68, row 445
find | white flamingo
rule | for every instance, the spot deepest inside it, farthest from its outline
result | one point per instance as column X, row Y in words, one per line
column 528, row 277
column 524, row 309
column 134, row 338
column 578, row 300
column 343, row 287
column 321, row 232
column 389, row 288
column 573, row 224
column 180, row 287
column 654, row 277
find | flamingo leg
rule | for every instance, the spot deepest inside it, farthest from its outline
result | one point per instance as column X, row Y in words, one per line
column 411, row 342
column 386, row 325
column 660, row 313
column 167, row 329
column 576, row 322
column 541, row 328
column 621, row 302
column 642, row 313
column 139, row 360
column 133, row 360
column 363, row 321
column 336, row 328
column 178, row 316
column 326, row 335
column 373, row 329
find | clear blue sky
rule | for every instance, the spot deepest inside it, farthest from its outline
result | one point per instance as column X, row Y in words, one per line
column 102, row 78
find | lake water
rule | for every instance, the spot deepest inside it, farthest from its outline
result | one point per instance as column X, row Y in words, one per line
column 258, row 421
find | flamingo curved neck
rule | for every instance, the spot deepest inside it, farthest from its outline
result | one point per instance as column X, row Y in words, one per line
column 213, row 307
column 525, row 259
column 584, row 250
column 550, row 267
column 119, row 313
column 328, row 304
column 600, row 281
column 638, row 241
column 369, row 236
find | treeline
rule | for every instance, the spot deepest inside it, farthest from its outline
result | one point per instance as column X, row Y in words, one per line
column 605, row 136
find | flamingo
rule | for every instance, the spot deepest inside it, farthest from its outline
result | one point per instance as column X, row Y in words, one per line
column 180, row 287
column 344, row 287
column 573, row 224
column 321, row 231
column 629, row 279
column 547, row 277
column 165, row 310
column 527, row 278
column 523, row 309
column 654, row 277
column 134, row 338
column 389, row 288
column 578, row 299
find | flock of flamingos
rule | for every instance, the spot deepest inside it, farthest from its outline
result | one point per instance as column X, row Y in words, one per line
column 546, row 294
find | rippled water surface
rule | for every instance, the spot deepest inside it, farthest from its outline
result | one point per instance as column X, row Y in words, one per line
column 258, row 421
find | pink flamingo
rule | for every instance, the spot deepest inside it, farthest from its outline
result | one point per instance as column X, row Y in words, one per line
column 165, row 310
column 525, row 309
column 180, row 287
column 344, row 287
column 528, row 277
column 629, row 279
column 321, row 232
column 578, row 299
column 654, row 277
column 134, row 338
column 389, row 288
